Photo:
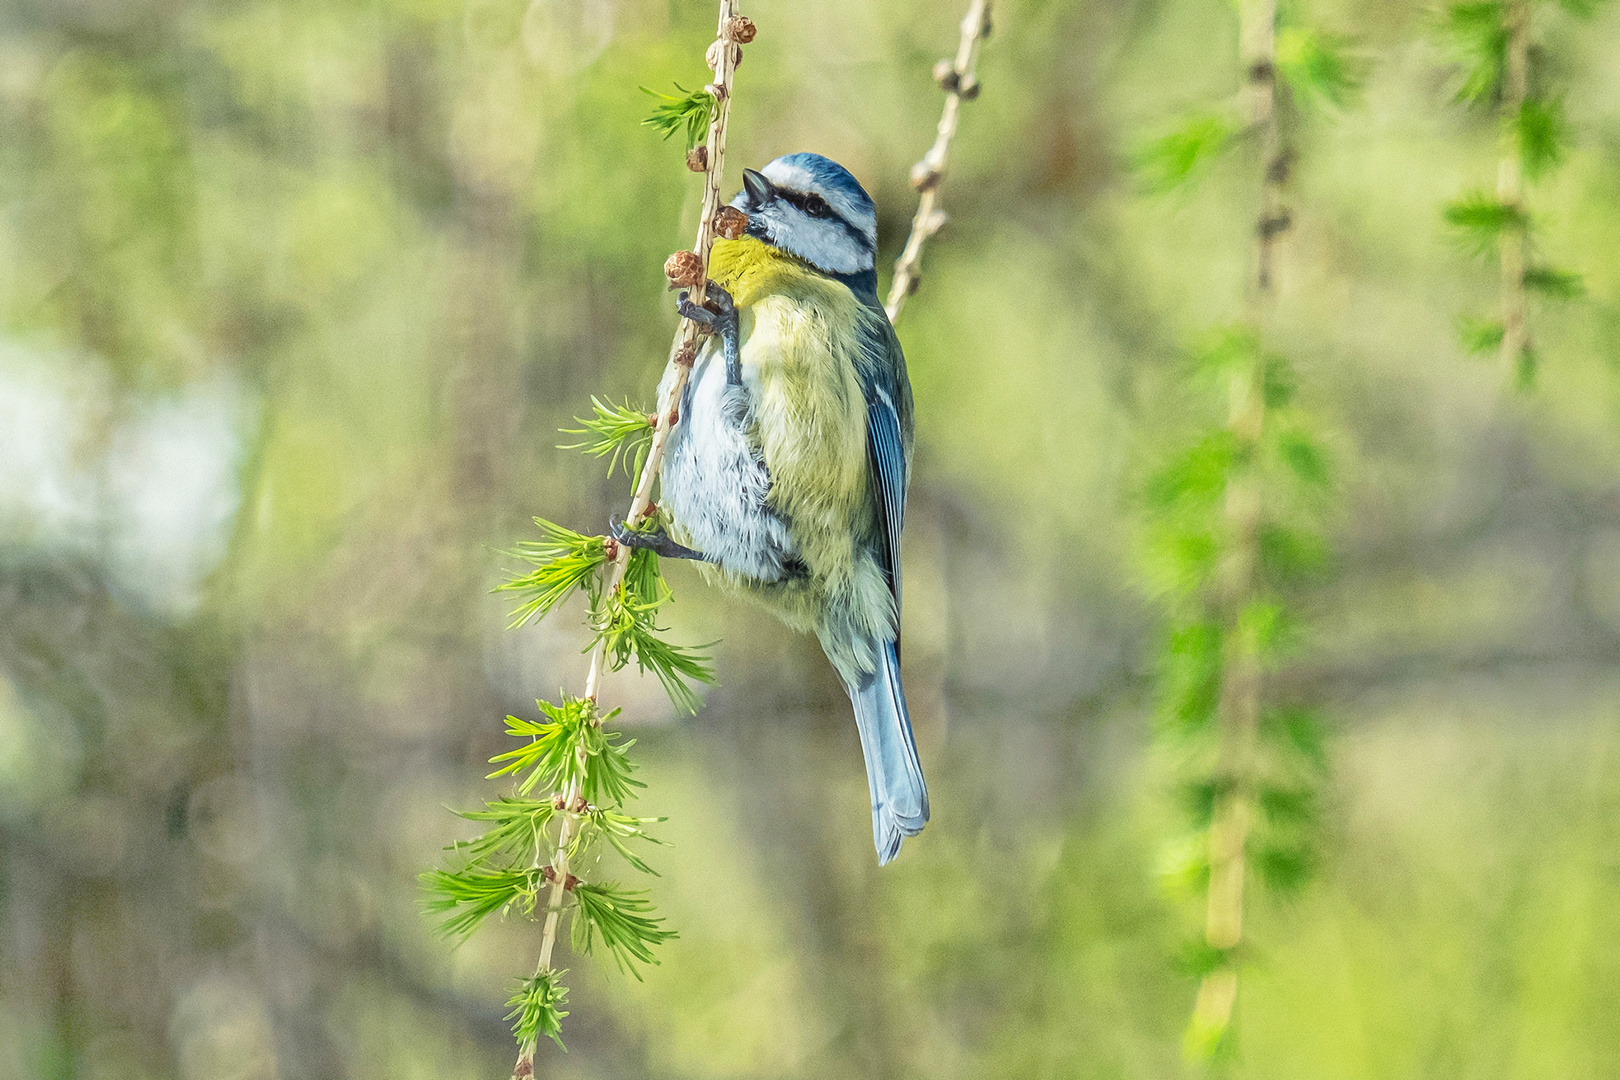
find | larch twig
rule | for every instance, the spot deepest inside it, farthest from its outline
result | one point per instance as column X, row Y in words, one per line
column 959, row 79
column 1238, row 708
column 723, row 57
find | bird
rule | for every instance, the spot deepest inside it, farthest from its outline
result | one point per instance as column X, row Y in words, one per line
column 785, row 478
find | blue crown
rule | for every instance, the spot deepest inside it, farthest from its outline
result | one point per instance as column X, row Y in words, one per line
column 831, row 177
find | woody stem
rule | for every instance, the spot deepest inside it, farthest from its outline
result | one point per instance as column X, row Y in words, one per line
column 725, row 53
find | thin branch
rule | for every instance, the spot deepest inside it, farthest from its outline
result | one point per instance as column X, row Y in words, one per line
column 1238, row 709
column 723, row 57
column 960, row 81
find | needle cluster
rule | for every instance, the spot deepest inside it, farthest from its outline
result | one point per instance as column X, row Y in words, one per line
column 685, row 110
column 625, row 616
column 616, row 432
column 585, row 770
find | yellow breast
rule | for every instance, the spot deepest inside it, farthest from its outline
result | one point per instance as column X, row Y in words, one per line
column 800, row 340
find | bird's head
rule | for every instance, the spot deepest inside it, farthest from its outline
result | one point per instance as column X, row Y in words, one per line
column 811, row 207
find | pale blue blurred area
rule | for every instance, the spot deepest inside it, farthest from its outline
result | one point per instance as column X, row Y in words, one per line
column 144, row 487
column 294, row 297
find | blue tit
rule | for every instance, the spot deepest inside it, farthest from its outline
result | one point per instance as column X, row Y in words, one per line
column 786, row 475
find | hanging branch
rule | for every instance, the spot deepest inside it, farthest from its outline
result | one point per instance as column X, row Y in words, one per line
column 519, row 864
column 960, row 81
column 1234, row 515
column 1491, row 42
column 1238, row 707
column 693, row 267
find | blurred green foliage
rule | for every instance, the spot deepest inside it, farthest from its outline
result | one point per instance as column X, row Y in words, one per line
column 386, row 250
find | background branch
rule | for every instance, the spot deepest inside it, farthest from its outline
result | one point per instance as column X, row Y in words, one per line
column 960, row 81
column 1238, row 707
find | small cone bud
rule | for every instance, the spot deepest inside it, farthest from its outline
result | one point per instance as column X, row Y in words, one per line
column 924, row 175
column 945, row 74
column 741, row 29
column 969, row 89
column 684, row 269
column 697, row 159
column 730, row 222
column 713, row 56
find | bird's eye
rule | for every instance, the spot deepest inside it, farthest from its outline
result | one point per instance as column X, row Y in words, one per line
column 816, row 206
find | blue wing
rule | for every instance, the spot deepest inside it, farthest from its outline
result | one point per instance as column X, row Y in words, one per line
column 883, row 379
column 887, row 460
column 893, row 773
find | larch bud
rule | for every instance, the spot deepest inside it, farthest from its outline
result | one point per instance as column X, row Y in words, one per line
column 684, row 269
column 925, row 174
column 714, row 55
column 730, row 223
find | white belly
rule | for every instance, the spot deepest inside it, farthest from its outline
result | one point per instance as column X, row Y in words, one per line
column 714, row 480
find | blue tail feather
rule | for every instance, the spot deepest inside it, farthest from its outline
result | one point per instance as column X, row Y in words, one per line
column 893, row 773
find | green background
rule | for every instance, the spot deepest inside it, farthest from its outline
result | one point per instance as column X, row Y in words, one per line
column 294, row 295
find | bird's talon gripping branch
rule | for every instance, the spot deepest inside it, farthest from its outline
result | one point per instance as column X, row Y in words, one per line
column 656, row 541
column 700, row 315
column 718, row 316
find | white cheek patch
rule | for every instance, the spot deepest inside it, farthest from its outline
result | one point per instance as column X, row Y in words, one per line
column 823, row 244
column 827, row 245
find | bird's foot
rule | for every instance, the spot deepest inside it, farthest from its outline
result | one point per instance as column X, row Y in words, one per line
column 718, row 316
column 717, row 309
column 657, row 541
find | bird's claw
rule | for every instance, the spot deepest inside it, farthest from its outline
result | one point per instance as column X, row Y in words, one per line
column 717, row 309
column 717, row 315
column 657, row 541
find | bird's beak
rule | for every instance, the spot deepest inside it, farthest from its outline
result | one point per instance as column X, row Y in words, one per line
column 760, row 190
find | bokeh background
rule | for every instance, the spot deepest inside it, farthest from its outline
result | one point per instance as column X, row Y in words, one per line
column 294, row 295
